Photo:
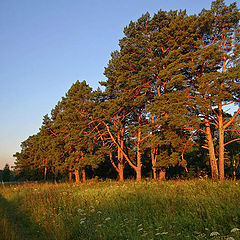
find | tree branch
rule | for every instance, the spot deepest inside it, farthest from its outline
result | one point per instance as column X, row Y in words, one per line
column 234, row 140
column 233, row 118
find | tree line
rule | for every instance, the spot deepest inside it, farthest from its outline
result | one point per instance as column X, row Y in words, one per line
column 163, row 110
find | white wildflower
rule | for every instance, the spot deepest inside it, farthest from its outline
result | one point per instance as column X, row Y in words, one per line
column 214, row 234
column 235, row 230
column 82, row 222
column 139, row 225
column 164, row 233
column 99, row 212
column 140, row 229
column 107, row 219
column 157, row 234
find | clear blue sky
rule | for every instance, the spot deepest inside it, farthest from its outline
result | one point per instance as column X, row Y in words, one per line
column 46, row 45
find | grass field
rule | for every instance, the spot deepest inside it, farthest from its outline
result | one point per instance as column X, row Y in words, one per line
column 111, row 210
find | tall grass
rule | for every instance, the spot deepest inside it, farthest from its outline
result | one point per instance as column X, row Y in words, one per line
column 129, row 210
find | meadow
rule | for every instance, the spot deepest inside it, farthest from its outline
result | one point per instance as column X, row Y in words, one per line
column 197, row 209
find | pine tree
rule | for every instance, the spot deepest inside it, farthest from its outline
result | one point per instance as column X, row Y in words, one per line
column 77, row 120
column 6, row 174
column 215, row 69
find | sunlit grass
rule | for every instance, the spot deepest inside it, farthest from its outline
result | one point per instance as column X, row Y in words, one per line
column 130, row 210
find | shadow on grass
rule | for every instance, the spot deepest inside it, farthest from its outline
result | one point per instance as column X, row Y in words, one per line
column 18, row 222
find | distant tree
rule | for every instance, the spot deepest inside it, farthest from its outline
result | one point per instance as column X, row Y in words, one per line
column 26, row 164
column 6, row 174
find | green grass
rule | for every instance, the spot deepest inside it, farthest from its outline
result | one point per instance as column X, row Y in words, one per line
column 113, row 210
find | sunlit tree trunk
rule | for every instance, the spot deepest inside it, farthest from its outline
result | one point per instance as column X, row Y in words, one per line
column 84, row 175
column 211, row 150
column 221, row 146
column 162, row 174
column 139, row 162
column 70, row 176
column 77, row 178
column 221, row 128
column 120, row 173
column 45, row 169
column 120, row 155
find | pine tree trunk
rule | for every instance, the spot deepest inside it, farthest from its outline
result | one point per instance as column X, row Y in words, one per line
column 120, row 173
column 154, row 170
column 138, row 173
column 220, row 126
column 45, row 173
column 211, row 150
column 45, row 170
column 121, row 166
column 162, row 174
column 221, row 147
column 139, row 163
column 70, row 176
column 153, row 157
column 84, row 175
column 120, row 157
column 77, row 178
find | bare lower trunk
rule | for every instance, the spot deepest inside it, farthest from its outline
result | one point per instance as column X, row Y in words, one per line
column 45, row 173
column 120, row 155
column 153, row 157
column 120, row 173
column 162, row 174
column 211, row 150
column 83, row 175
column 154, row 170
column 121, row 166
column 138, row 174
column 77, row 178
column 70, row 176
column 139, row 162
column 45, row 169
